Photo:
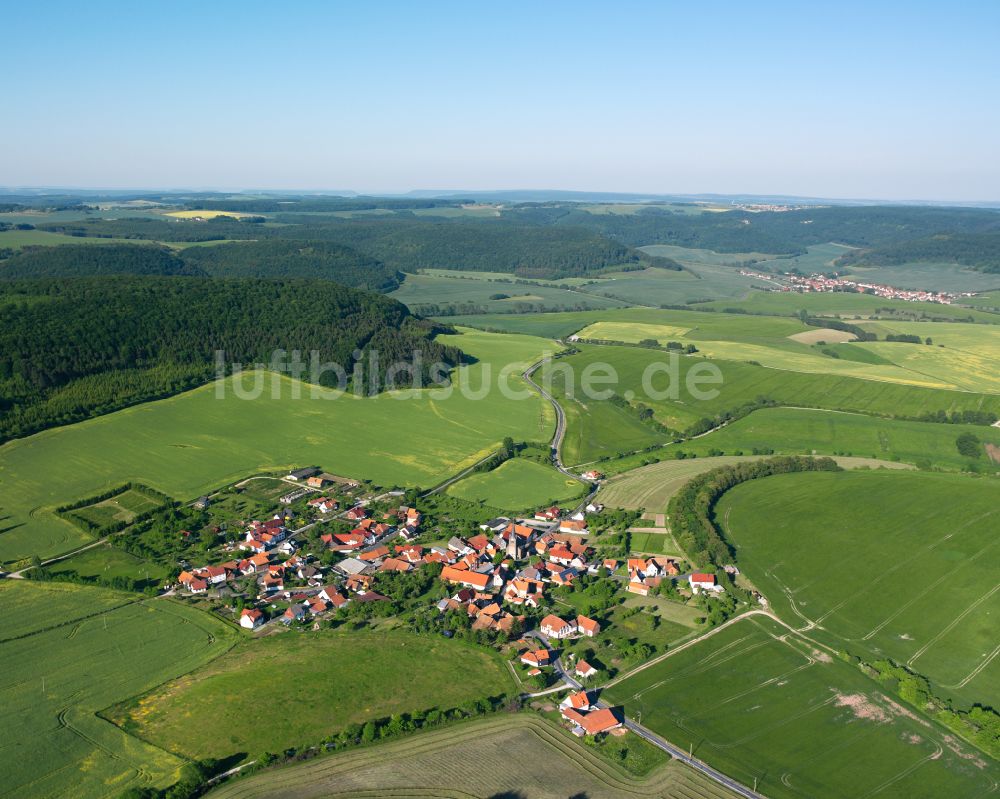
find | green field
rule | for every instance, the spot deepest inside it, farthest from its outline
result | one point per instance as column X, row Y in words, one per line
column 507, row 757
column 655, row 286
column 16, row 239
column 929, row 276
column 802, row 431
column 651, row 487
column 55, row 679
column 589, row 438
column 105, row 562
column 847, row 305
column 29, row 607
column 516, row 485
column 317, row 683
column 121, row 508
column 760, row 703
column 190, row 443
column 418, row 291
column 888, row 564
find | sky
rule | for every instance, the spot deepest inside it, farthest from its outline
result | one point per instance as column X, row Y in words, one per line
column 879, row 100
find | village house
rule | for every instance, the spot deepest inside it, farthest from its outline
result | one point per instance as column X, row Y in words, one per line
column 587, row 627
column 539, row 657
column 466, row 577
column 323, row 504
column 351, row 567
column 555, row 627
column 574, row 526
column 548, row 514
column 584, row 670
column 579, row 701
column 316, row 481
column 593, row 723
column 251, row 618
column 702, row 581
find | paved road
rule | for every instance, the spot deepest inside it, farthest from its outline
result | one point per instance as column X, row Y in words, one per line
column 556, row 446
column 649, row 735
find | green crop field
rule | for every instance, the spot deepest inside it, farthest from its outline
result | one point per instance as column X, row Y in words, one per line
column 655, row 286
column 322, row 682
column 928, row 276
column 418, row 291
column 761, row 703
column 190, row 443
column 29, row 607
column 16, row 239
column 588, row 438
column 121, row 508
column 651, row 487
column 516, row 485
column 847, row 305
column 105, row 562
column 888, row 564
column 57, row 676
column 802, row 431
column 511, row 756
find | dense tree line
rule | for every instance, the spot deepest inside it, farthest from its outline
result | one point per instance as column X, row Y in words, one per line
column 258, row 259
column 105, row 344
column 402, row 243
column 84, row 260
column 691, row 509
column 978, row 250
column 306, row 259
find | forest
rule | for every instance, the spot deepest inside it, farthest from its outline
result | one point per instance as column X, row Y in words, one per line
column 74, row 348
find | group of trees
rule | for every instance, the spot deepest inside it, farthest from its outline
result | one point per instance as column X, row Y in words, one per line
column 322, row 260
column 72, row 348
column 691, row 509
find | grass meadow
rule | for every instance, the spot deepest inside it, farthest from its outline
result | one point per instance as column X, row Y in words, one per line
column 651, row 487
column 804, row 431
column 322, row 683
column 62, row 671
column 516, row 485
column 508, row 756
column 888, row 564
column 761, row 704
column 190, row 443
column 589, row 436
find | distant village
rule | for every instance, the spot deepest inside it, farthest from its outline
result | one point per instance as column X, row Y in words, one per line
column 821, row 283
column 495, row 577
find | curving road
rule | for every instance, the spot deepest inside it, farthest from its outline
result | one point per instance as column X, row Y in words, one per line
column 648, row 735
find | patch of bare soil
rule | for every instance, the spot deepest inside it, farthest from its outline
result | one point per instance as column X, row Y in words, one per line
column 993, row 451
column 863, row 708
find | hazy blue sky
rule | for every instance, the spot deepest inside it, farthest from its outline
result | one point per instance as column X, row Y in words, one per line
column 839, row 99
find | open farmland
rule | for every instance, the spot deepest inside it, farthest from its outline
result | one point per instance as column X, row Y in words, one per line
column 513, row 756
column 517, row 485
column 339, row 679
column 804, row 431
column 55, row 679
column 438, row 291
column 741, row 383
column 887, row 564
column 192, row 442
column 762, row 704
column 845, row 304
column 651, row 487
